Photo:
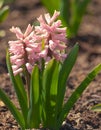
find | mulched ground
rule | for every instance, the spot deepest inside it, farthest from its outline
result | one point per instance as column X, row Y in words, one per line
column 89, row 39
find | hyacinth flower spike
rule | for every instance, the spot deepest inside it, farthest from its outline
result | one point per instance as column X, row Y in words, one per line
column 17, row 48
column 54, row 36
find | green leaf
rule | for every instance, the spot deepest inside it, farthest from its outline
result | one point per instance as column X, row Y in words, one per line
column 51, row 5
column 19, row 89
column 4, row 13
column 50, row 83
column 65, row 12
column 77, row 93
column 96, row 108
column 78, row 9
column 34, row 110
column 17, row 115
column 22, row 96
column 72, row 12
column 63, row 75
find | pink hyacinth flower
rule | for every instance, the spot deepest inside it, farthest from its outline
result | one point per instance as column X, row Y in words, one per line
column 54, row 35
column 18, row 48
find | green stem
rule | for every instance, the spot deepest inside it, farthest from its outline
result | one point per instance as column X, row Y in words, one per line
column 27, row 74
column 27, row 77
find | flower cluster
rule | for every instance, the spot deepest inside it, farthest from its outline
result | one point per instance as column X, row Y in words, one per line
column 46, row 41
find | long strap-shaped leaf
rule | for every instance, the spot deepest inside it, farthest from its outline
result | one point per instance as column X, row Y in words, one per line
column 50, row 81
column 78, row 9
column 19, row 89
column 17, row 115
column 77, row 93
column 34, row 110
column 63, row 75
column 65, row 12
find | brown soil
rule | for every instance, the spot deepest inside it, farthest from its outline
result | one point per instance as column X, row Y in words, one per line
column 89, row 39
